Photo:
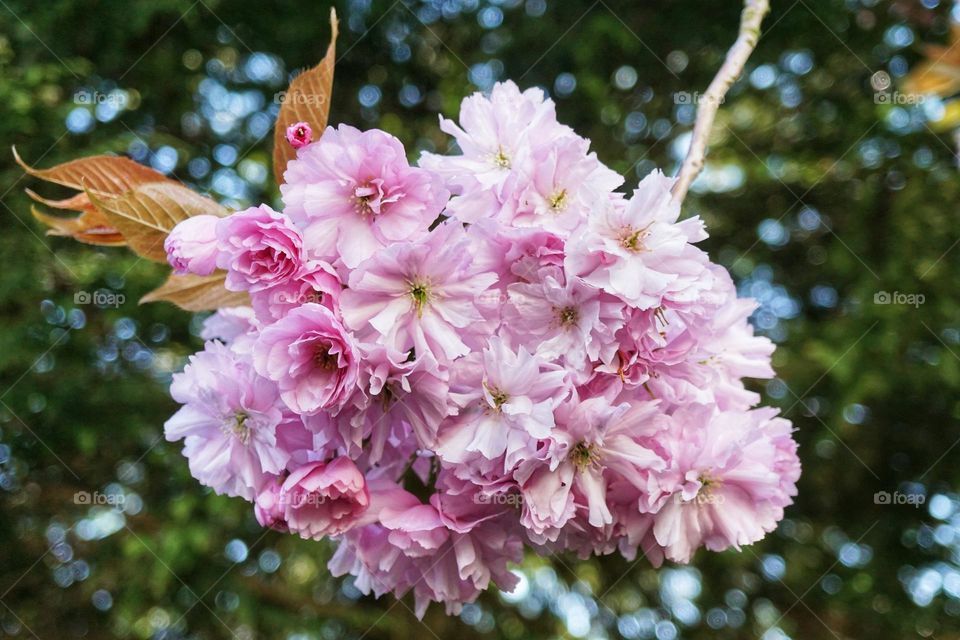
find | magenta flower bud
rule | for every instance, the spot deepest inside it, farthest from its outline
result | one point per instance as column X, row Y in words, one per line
column 299, row 134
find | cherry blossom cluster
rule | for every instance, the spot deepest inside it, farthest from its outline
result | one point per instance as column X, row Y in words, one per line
column 446, row 363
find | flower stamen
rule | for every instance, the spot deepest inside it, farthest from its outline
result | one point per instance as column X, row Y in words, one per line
column 567, row 316
column 237, row 426
column 632, row 239
column 501, row 159
column 499, row 397
column 420, row 292
column 558, row 201
column 583, row 455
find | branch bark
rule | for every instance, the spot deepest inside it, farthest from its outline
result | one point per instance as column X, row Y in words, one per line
column 708, row 103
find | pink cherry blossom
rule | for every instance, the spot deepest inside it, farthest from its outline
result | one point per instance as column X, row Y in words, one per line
column 505, row 403
column 496, row 134
column 596, row 444
column 638, row 251
column 324, row 498
column 565, row 183
column 228, row 422
column 268, row 509
column 399, row 398
column 416, row 547
column 259, row 248
column 729, row 478
column 317, row 281
column 422, row 296
column 353, row 192
column 311, row 357
column 571, row 321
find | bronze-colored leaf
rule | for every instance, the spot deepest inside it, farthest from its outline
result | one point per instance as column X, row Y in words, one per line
column 307, row 99
column 197, row 293
column 147, row 214
column 937, row 78
column 102, row 175
column 89, row 227
column 939, row 73
column 77, row 202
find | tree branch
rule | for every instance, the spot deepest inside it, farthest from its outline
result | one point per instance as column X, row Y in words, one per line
column 709, row 102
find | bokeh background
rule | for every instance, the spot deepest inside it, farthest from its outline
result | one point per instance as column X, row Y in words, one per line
column 826, row 188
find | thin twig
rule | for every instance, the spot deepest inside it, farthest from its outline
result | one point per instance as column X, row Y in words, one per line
column 709, row 102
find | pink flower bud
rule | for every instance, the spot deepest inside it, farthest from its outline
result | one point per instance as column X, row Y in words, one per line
column 299, row 134
column 192, row 246
column 269, row 509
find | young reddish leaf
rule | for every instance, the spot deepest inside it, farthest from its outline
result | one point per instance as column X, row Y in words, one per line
column 77, row 202
column 307, row 99
column 939, row 72
column 102, row 175
column 197, row 293
column 90, row 227
column 147, row 214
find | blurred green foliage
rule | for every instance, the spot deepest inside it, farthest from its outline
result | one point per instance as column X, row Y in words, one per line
column 821, row 193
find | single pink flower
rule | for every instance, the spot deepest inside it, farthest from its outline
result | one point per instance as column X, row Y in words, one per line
column 548, row 503
column 422, row 295
column 228, row 423
column 729, row 478
column 353, row 192
column 529, row 250
column 637, row 249
column 400, row 400
column 565, row 182
column 324, row 498
column 311, row 357
column 566, row 321
column 497, row 133
column 420, row 547
column 259, row 248
column 595, row 444
column 505, row 402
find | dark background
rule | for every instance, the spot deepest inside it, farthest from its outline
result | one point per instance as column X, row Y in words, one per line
column 820, row 194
